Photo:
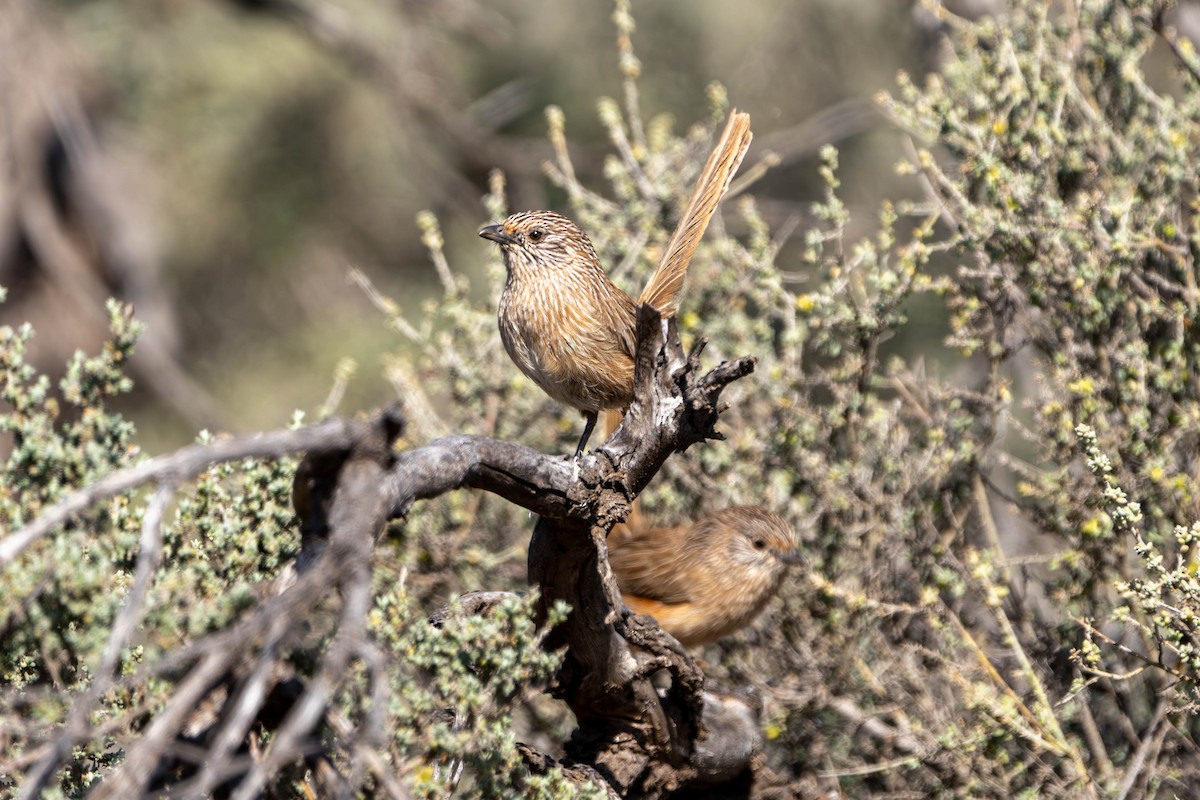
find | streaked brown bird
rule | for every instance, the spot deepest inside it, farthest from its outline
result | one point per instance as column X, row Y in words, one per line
column 705, row 580
column 564, row 323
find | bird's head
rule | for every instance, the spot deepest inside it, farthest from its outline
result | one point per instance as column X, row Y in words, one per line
column 759, row 539
column 537, row 240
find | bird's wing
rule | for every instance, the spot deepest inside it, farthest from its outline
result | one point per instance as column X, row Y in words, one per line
column 691, row 624
column 646, row 563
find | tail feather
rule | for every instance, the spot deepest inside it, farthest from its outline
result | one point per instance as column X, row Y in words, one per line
column 663, row 288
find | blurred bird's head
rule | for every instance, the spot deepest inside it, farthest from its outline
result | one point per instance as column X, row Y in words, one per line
column 756, row 539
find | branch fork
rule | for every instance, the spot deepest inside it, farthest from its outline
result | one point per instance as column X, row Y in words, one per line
column 639, row 739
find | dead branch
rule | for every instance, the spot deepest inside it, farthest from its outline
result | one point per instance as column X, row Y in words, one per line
column 642, row 740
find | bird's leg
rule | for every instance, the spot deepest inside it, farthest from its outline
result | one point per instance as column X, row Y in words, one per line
column 588, row 426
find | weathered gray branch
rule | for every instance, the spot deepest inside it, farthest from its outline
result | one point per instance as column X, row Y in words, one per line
column 641, row 741
column 180, row 466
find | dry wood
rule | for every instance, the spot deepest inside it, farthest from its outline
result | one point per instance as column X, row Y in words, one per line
column 642, row 741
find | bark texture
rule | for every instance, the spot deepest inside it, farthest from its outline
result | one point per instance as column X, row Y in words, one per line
column 647, row 725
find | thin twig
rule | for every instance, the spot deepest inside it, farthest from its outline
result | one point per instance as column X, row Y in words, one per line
column 78, row 727
column 1151, row 741
column 175, row 468
column 242, row 710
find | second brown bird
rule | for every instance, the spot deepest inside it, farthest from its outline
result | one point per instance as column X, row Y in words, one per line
column 564, row 323
column 707, row 579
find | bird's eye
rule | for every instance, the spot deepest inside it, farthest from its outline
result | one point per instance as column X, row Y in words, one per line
column 535, row 235
column 759, row 544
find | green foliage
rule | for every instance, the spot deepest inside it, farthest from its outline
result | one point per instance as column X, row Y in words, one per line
column 1163, row 599
column 60, row 442
column 453, row 697
column 1057, row 233
column 450, row 689
column 963, row 552
column 58, row 603
column 55, row 449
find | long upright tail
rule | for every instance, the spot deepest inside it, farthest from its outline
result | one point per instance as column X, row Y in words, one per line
column 664, row 285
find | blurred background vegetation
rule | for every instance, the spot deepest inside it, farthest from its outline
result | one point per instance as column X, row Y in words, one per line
column 263, row 148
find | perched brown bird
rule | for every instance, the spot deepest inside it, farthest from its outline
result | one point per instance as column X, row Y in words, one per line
column 708, row 579
column 564, row 323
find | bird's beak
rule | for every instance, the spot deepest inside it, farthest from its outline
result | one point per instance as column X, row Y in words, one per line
column 496, row 234
column 792, row 557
